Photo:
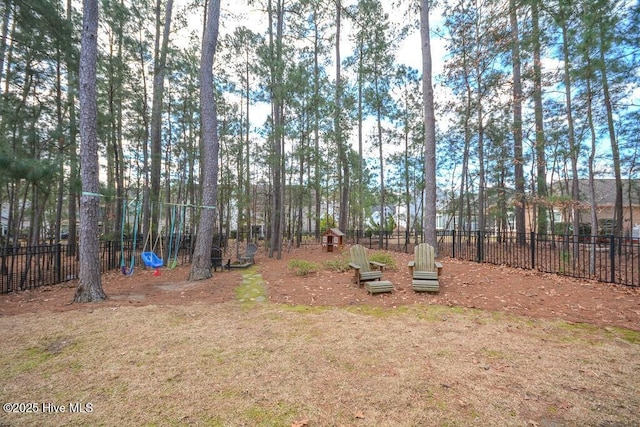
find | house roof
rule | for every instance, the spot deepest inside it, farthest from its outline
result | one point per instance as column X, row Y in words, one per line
column 605, row 190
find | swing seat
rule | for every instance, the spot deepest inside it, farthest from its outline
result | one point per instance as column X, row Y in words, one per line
column 151, row 259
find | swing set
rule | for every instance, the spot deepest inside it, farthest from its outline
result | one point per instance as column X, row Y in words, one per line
column 128, row 270
column 149, row 257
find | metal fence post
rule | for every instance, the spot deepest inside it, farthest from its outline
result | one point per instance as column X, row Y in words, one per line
column 453, row 244
column 612, row 257
column 58, row 263
column 65, row 265
column 533, row 250
column 109, row 255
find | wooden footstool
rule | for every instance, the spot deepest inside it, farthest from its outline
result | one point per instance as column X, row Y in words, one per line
column 375, row 287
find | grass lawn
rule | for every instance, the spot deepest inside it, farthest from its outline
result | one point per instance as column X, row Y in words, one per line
column 264, row 364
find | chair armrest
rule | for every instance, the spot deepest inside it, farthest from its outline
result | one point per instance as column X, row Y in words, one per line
column 378, row 265
column 353, row 265
column 438, row 267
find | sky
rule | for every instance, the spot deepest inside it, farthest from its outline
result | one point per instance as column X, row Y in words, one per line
column 238, row 13
column 409, row 51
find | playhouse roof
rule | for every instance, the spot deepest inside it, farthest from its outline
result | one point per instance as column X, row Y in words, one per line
column 334, row 231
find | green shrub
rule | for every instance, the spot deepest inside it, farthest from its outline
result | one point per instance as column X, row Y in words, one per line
column 339, row 265
column 302, row 267
column 384, row 258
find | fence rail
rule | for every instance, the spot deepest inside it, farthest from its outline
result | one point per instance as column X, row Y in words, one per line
column 605, row 259
column 30, row 267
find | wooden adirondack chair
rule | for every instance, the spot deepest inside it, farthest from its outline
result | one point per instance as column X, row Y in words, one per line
column 249, row 254
column 217, row 261
column 425, row 269
column 364, row 269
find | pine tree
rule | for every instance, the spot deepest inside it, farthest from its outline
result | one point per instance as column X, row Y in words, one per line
column 201, row 265
column 90, row 285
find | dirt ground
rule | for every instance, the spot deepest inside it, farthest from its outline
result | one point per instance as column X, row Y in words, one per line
column 465, row 284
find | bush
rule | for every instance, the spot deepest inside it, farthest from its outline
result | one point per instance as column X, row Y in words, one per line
column 559, row 228
column 302, row 267
column 339, row 265
column 384, row 258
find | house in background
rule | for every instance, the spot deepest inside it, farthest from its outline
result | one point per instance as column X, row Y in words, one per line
column 605, row 198
column 373, row 222
column 4, row 221
column 500, row 210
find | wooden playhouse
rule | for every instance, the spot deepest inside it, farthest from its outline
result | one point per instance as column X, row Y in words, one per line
column 332, row 238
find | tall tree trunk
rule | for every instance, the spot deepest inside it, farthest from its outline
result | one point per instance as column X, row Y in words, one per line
column 113, row 225
column 574, row 148
column 9, row 58
column 201, row 264
column 116, row 119
column 360, row 204
column 342, row 146
column 464, row 176
column 247, row 193
column 301, row 189
column 61, row 151
column 615, row 150
column 482, row 221
column 407, row 179
column 517, row 123
column 592, row 155
column 3, row 38
column 90, row 285
column 7, row 49
column 430, row 208
column 481, row 166
column 277, row 140
column 160, row 62
column 73, row 155
column 541, row 160
column 144, row 118
column 383, row 199
column 316, row 137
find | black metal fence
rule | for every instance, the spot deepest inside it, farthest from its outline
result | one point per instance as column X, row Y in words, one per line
column 606, row 259
column 29, row 267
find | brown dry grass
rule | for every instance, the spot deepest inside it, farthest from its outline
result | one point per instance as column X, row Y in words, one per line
column 496, row 347
column 266, row 364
